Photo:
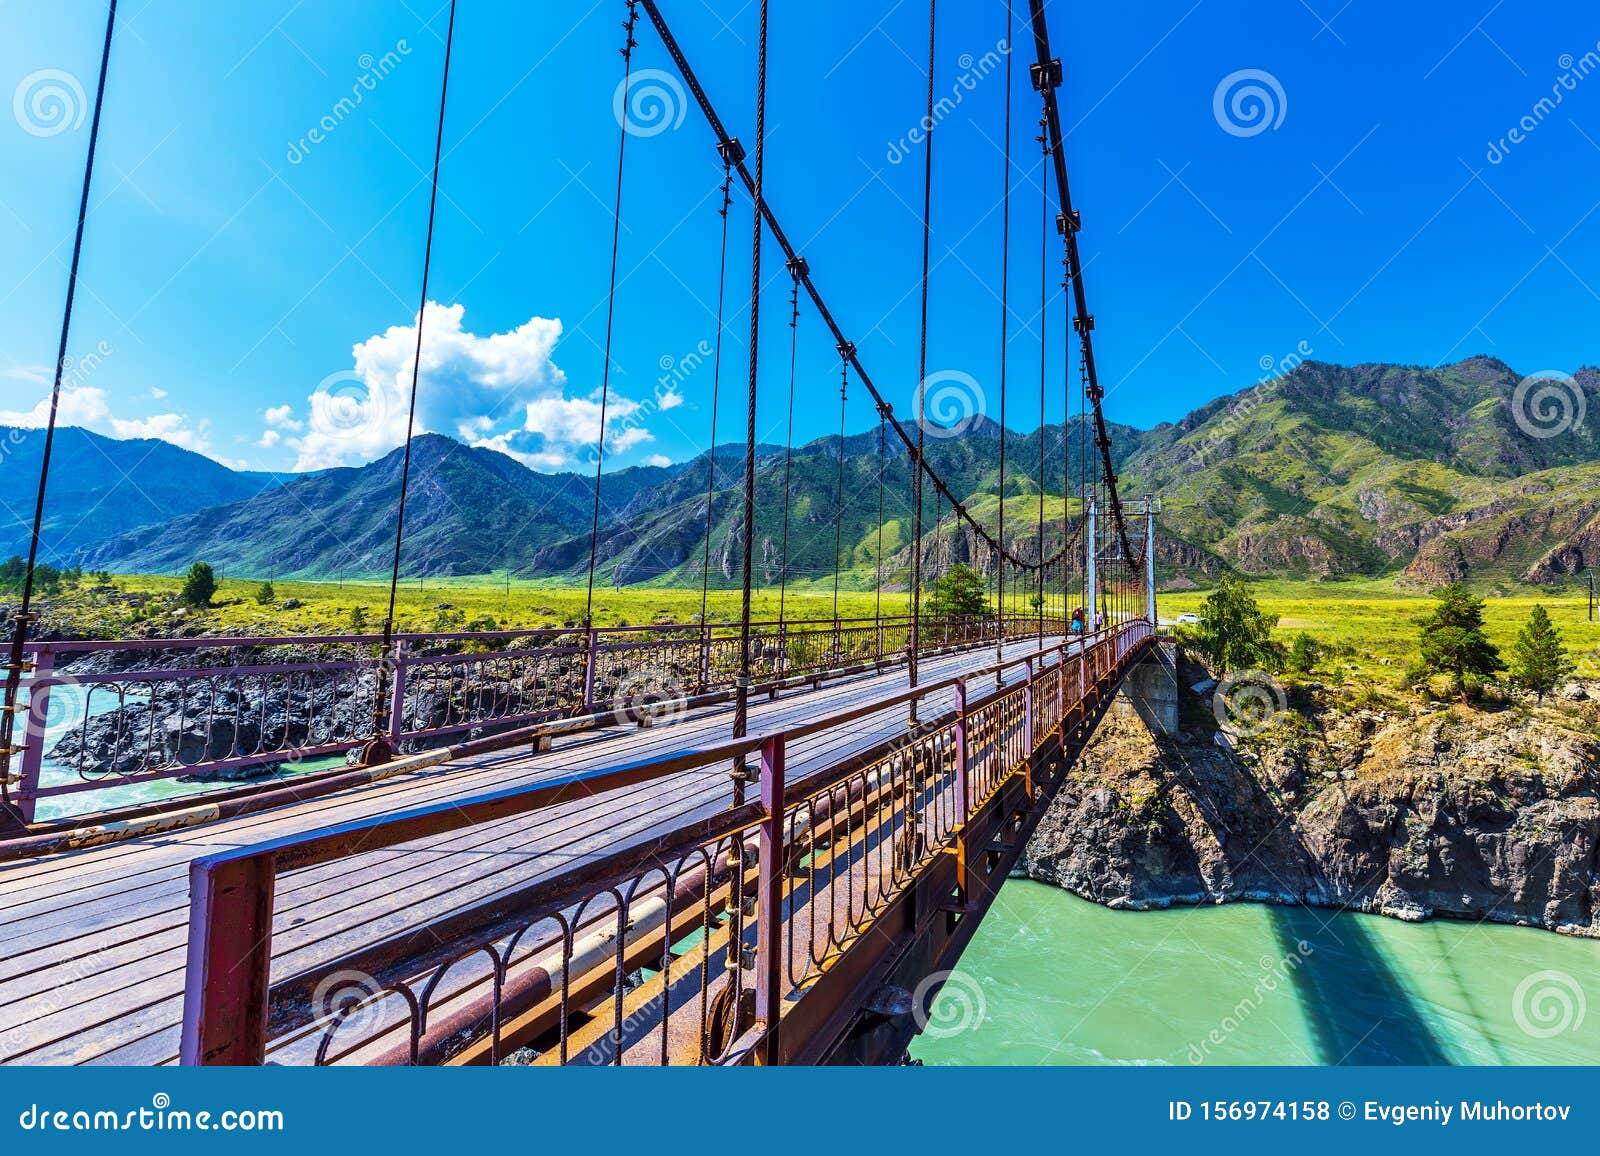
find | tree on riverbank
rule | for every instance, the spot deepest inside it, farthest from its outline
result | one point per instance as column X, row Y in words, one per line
column 1538, row 660
column 1234, row 633
column 1453, row 641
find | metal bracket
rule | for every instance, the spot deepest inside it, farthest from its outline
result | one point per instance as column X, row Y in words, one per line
column 1046, row 76
column 731, row 151
column 1069, row 222
column 1084, row 323
column 798, row 267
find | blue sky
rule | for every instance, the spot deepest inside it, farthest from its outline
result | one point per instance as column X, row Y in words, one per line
column 235, row 268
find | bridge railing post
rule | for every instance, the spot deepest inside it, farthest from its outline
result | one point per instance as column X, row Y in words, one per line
column 397, row 694
column 35, row 724
column 963, row 796
column 1027, row 713
column 769, row 899
column 1061, row 691
column 226, row 981
column 705, row 656
column 591, row 643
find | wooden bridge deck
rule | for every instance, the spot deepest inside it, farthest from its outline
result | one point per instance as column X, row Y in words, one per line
column 92, row 942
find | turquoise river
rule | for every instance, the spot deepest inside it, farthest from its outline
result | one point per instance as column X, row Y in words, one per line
column 1052, row 979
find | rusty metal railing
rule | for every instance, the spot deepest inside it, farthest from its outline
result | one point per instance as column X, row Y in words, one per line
column 690, row 943
column 110, row 714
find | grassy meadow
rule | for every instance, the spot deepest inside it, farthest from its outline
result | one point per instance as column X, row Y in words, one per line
column 1372, row 625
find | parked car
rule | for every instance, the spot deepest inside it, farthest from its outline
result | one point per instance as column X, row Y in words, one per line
column 1189, row 620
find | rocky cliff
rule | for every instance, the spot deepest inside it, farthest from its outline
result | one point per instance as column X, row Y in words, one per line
column 1410, row 812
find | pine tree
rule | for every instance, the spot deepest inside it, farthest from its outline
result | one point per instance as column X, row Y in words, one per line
column 1538, row 660
column 265, row 593
column 198, row 586
column 1453, row 641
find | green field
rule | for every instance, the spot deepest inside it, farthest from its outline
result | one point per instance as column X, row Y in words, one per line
column 1368, row 621
column 1369, row 625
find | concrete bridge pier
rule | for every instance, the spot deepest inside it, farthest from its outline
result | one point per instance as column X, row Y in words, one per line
column 1151, row 690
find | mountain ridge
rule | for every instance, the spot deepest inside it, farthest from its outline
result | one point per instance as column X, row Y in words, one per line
column 1425, row 473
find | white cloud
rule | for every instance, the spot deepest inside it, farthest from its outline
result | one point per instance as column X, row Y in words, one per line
column 658, row 460
column 282, row 416
column 269, row 439
column 82, row 406
column 501, row 391
column 669, row 398
column 157, row 393
column 168, row 427
column 86, row 406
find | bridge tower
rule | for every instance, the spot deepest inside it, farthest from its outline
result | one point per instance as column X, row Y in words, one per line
column 1152, row 507
column 1091, row 559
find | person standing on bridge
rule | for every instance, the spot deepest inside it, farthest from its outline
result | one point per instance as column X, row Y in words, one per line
column 1077, row 620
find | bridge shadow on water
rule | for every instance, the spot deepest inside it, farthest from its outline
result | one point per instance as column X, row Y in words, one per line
column 1357, row 1007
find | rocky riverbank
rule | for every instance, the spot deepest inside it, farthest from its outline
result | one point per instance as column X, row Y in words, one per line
column 1406, row 809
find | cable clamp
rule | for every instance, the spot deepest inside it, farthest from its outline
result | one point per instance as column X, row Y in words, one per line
column 847, row 350
column 1084, row 323
column 1069, row 222
column 1046, row 76
column 731, row 151
column 798, row 267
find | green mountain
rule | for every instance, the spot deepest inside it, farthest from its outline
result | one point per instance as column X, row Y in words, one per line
column 101, row 487
column 1429, row 474
column 1376, row 468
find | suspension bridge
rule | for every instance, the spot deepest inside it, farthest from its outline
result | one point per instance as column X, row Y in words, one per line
column 742, row 842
